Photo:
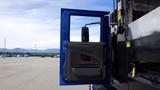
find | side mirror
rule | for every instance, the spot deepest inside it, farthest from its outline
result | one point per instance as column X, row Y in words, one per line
column 85, row 34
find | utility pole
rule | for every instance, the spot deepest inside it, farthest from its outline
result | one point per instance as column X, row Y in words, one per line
column 35, row 46
column 4, row 55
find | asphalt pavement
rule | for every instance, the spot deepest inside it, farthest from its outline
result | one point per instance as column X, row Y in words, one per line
column 32, row 73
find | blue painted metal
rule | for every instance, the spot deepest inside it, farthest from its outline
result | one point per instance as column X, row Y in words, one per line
column 65, row 37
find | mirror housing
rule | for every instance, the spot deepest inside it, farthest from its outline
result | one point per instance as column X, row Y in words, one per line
column 85, row 34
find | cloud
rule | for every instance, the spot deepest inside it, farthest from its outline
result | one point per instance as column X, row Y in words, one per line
column 22, row 32
column 28, row 22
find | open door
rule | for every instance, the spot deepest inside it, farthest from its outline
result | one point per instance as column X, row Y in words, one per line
column 84, row 62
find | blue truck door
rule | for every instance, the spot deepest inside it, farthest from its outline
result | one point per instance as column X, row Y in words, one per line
column 65, row 40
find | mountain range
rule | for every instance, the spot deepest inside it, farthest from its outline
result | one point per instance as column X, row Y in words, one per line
column 22, row 50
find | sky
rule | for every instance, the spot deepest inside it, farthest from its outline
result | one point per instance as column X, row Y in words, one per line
column 36, row 23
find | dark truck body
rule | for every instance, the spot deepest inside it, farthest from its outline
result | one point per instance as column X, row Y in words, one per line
column 141, row 22
column 145, row 35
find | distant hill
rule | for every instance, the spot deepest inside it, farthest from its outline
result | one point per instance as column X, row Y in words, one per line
column 22, row 50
